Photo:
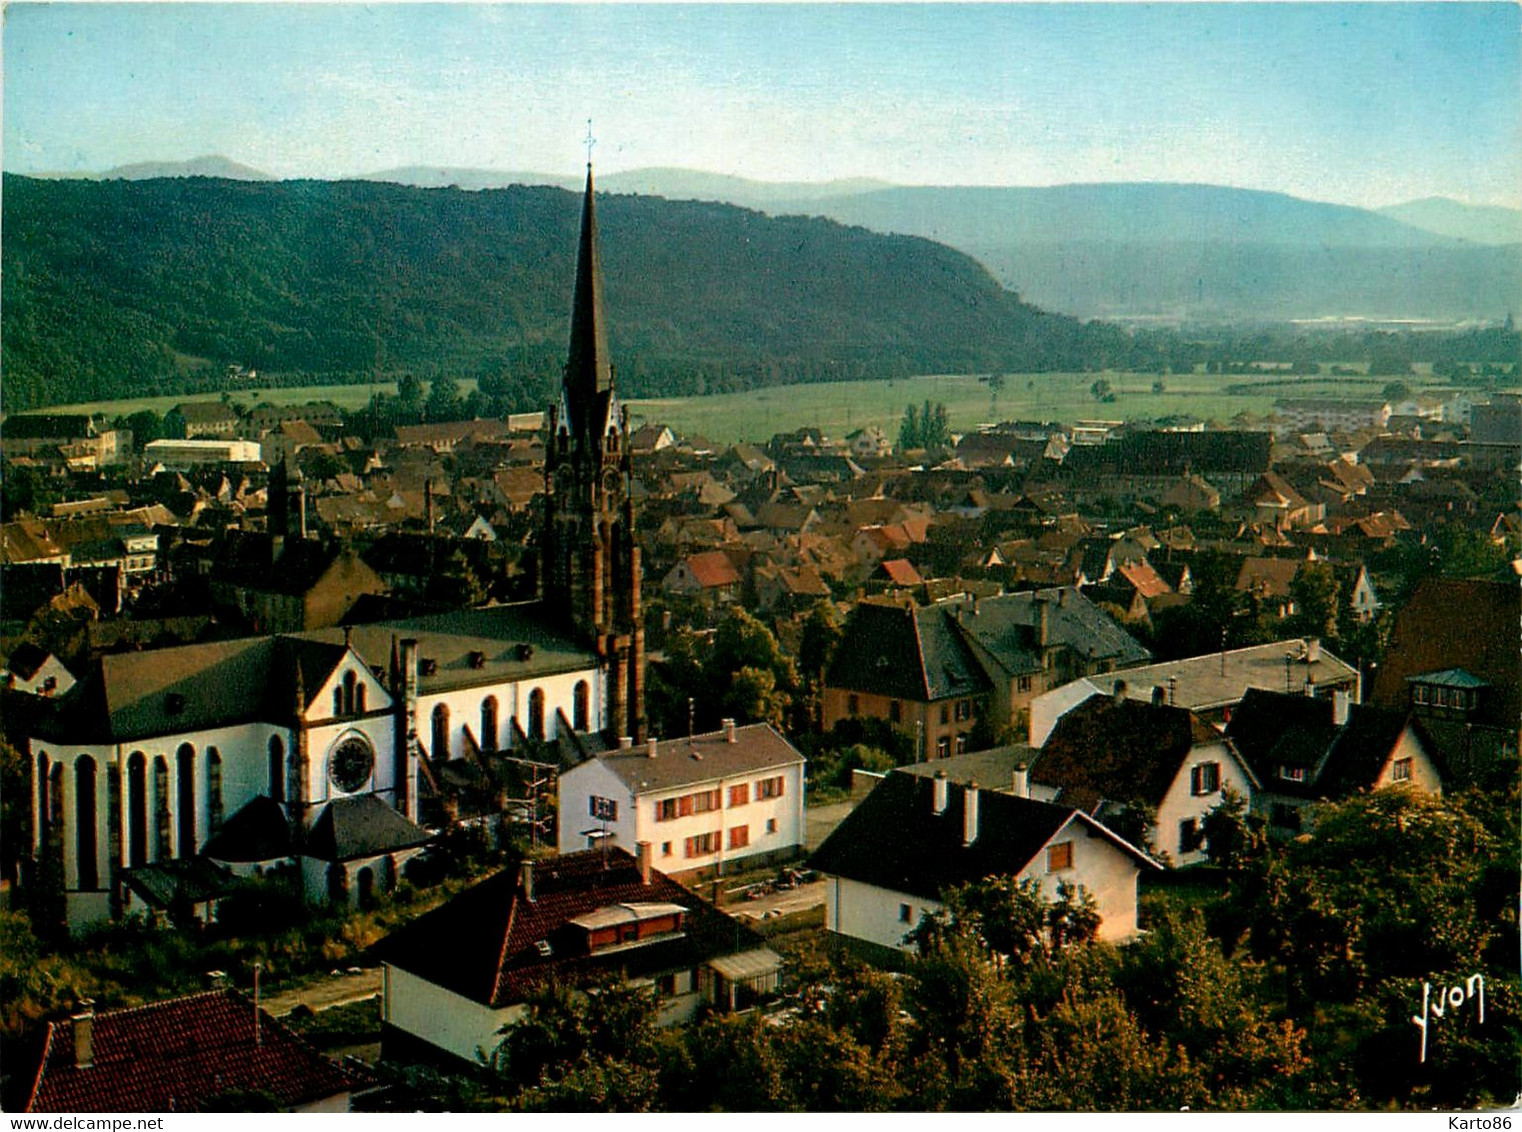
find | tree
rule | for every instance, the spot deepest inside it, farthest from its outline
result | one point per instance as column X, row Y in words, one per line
column 444, row 402
column 995, row 383
column 1317, row 598
column 909, row 432
column 1102, row 390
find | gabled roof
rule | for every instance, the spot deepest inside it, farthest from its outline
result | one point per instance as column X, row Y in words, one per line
column 703, row 758
column 905, row 652
column 895, row 840
column 485, row 944
column 361, row 826
column 179, row 1056
column 713, row 569
column 1007, row 627
column 1269, row 576
column 899, row 571
column 1118, row 751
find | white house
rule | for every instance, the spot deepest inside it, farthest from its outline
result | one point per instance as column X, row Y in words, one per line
column 453, row 978
column 342, row 736
column 1111, row 754
column 711, row 802
column 892, row 859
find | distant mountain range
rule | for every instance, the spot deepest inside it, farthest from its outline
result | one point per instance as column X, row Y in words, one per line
column 114, row 286
column 1122, row 251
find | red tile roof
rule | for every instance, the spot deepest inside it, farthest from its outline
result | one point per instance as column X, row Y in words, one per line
column 900, row 571
column 178, row 1055
column 713, row 569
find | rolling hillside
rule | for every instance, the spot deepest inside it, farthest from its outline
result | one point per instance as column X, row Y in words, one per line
column 114, row 286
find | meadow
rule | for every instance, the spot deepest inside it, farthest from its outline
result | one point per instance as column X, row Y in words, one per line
column 839, row 408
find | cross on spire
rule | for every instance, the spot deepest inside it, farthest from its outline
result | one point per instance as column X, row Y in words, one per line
column 590, row 141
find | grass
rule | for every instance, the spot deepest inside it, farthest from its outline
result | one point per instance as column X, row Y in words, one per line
column 841, row 407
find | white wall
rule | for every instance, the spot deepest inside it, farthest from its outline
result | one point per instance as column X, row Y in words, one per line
column 1424, row 775
column 864, row 911
column 1108, row 873
column 441, row 1017
column 512, row 701
column 1179, row 805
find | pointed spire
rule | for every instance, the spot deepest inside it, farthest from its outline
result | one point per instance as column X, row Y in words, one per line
column 587, row 370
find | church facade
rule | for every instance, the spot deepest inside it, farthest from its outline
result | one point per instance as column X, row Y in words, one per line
column 334, row 754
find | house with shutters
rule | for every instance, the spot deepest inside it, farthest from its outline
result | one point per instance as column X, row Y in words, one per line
column 914, row 837
column 1117, row 759
column 197, row 1053
column 1305, row 750
column 454, row 977
column 719, row 801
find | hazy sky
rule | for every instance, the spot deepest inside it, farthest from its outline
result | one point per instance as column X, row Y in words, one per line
column 1360, row 103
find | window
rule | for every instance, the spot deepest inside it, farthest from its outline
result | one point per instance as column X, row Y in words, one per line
column 213, row 790
column 1024, row 684
column 739, row 836
column 769, row 788
column 277, row 769
column 771, row 825
column 581, row 709
column 338, row 701
column 684, row 806
column 943, row 747
column 945, row 713
column 1188, row 836
column 665, row 810
column 1059, row 856
column 440, row 732
column 489, row 723
column 706, row 801
column 739, row 795
column 163, row 835
column 665, row 848
column 137, row 808
column 185, row 803
column 1419, row 693
column 853, row 704
column 1292, row 773
column 895, row 711
column 904, row 912
column 703, row 845
column 603, row 809
column 348, row 699
column 1205, row 778
column 84, row 822
column 964, row 709
column 1400, row 770
column 360, row 694
column 536, row 714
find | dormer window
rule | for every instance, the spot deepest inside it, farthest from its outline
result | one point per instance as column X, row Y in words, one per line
column 616, row 926
column 1292, row 773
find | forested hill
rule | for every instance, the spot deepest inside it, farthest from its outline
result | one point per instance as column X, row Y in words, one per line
column 116, row 288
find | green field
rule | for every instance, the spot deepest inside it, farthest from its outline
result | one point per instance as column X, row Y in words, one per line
column 841, row 407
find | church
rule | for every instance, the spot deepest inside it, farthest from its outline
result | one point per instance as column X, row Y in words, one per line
column 162, row 776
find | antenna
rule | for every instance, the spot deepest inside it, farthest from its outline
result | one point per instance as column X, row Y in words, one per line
column 589, row 141
column 258, row 1031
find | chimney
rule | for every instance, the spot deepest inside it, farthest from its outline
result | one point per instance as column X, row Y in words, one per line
column 216, row 980
column 941, row 790
column 1172, row 689
column 1022, row 781
column 526, row 880
column 625, row 742
column 84, row 1034
column 729, row 731
column 642, row 850
column 1043, row 622
column 1118, row 696
column 970, row 813
column 1310, row 686
column 1340, row 707
column 1312, row 650
column 650, row 748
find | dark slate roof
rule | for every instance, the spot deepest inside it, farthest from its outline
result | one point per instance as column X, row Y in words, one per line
column 1449, row 678
column 1360, row 750
column 187, row 880
column 1122, row 751
column 177, row 1056
column 482, row 945
column 757, row 747
column 257, row 832
column 906, row 652
column 1161, row 453
column 895, row 840
column 1274, row 729
column 361, row 826
column 26, row 658
column 1005, row 627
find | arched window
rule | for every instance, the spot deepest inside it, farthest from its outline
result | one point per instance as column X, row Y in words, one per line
column 137, row 809
column 44, row 807
column 489, row 723
column 163, row 847
column 338, row 700
column 366, row 888
column 84, row 823
column 185, row 801
column 213, row 790
column 536, row 714
column 581, row 706
column 55, row 804
column 338, row 883
column 277, row 769
column 441, row 732
column 349, row 692
column 360, row 693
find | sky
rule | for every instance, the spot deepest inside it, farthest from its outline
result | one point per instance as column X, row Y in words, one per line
column 1368, row 104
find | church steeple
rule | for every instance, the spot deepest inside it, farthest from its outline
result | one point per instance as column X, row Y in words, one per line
column 588, row 372
column 589, row 568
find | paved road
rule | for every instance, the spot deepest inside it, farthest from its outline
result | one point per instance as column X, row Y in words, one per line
column 786, row 902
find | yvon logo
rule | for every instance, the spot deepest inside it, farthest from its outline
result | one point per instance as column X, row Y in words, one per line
column 1448, row 998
